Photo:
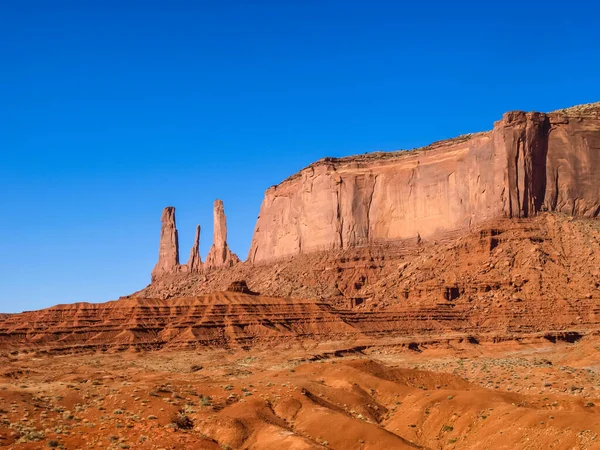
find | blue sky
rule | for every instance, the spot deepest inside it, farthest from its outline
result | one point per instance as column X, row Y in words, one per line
column 113, row 110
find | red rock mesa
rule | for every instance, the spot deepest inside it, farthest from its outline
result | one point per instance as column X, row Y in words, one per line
column 529, row 162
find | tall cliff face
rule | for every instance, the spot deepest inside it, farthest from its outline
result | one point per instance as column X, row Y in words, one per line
column 528, row 163
column 573, row 165
column 524, row 138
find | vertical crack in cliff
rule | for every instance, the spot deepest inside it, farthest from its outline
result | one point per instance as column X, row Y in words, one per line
column 339, row 218
column 372, row 194
column 411, row 182
column 537, row 133
column 556, row 191
column 574, row 207
column 526, row 139
column 517, row 190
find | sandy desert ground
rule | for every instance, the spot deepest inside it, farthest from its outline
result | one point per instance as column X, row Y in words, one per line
column 533, row 395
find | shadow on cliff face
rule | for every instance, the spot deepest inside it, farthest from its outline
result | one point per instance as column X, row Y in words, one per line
column 241, row 287
column 526, row 136
column 539, row 156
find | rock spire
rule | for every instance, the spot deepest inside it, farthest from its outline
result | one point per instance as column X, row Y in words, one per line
column 168, row 251
column 194, row 264
column 220, row 255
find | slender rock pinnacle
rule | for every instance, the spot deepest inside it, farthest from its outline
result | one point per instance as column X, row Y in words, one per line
column 168, row 252
column 219, row 254
column 220, row 225
column 195, row 262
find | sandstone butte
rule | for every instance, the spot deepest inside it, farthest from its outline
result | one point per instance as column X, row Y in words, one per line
column 470, row 235
column 445, row 297
column 528, row 163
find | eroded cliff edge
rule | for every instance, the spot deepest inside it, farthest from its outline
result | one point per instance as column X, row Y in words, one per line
column 529, row 162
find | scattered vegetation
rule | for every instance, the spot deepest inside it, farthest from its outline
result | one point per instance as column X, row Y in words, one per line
column 182, row 421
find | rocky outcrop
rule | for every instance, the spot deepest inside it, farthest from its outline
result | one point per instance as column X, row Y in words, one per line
column 242, row 287
column 194, row 264
column 225, row 319
column 529, row 162
column 378, row 198
column 544, row 268
column 573, row 164
column 524, row 138
column 168, row 251
column 220, row 256
column 507, row 279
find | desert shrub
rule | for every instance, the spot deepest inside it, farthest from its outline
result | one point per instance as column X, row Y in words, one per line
column 182, row 421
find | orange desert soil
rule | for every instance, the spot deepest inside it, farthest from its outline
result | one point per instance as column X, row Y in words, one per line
column 307, row 396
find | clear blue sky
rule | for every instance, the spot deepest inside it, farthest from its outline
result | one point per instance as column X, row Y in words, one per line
column 112, row 110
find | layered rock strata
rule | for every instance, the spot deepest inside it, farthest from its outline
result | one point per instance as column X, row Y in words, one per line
column 529, row 162
column 512, row 275
column 219, row 319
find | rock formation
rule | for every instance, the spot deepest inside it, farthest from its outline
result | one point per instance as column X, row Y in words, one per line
column 529, row 162
column 242, row 287
column 549, row 261
column 220, row 256
column 194, row 264
column 516, row 279
column 524, row 137
column 168, row 251
column 380, row 273
column 222, row 319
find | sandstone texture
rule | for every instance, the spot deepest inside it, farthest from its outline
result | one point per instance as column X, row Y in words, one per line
column 194, row 264
column 220, row 256
column 507, row 276
column 529, row 163
column 534, row 278
column 168, row 252
column 220, row 319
